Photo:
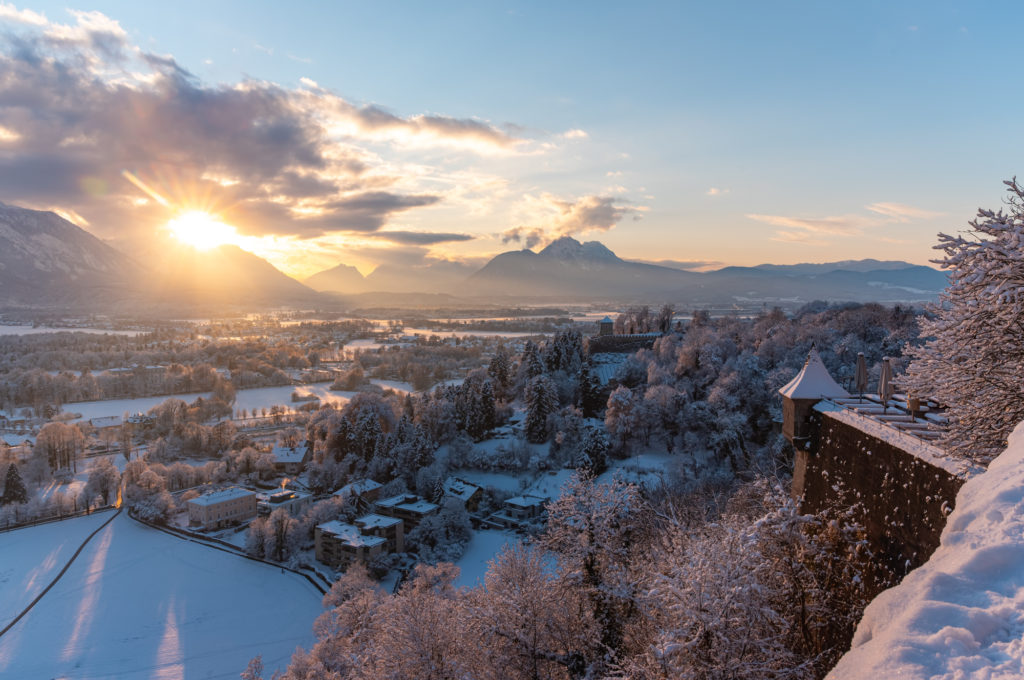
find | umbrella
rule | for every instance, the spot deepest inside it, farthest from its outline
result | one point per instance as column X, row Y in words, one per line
column 860, row 376
column 885, row 388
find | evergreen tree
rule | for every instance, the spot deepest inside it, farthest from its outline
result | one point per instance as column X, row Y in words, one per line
column 590, row 392
column 14, row 489
column 541, row 401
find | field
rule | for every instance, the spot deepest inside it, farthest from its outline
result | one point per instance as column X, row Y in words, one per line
column 138, row 603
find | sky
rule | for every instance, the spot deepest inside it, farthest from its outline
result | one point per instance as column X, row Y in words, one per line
column 414, row 134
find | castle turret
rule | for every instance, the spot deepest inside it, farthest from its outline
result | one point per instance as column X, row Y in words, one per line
column 606, row 326
column 812, row 384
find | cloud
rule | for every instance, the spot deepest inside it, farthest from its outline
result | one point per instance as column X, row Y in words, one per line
column 808, row 230
column 575, row 133
column 80, row 104
column 548, row 217
column 420, row 238
column 528, row 237
column 902, row 213
column 715, row 191
column 685, row 265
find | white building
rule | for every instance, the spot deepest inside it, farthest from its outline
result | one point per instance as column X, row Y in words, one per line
column 220, row 508
column 295, row 502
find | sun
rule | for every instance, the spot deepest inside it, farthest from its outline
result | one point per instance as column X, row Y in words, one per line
column 201, row 230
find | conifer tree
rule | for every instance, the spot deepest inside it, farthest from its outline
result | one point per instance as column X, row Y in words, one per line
column 541, row 401
column 14, row 488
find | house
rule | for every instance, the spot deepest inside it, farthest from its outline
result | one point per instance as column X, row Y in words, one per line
column 339, row 545
column 520, row 510
column 469, row 494
column 220, row 508
column 408, row 507
column 106, row 423
column 364, row 489
column 295, row 502
column 291, row 460
column 390, row 529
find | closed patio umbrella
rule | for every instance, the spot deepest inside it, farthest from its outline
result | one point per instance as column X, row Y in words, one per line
column 860, row 376
column 885, row 388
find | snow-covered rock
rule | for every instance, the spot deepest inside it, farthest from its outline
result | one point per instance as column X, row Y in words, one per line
column 960, row 615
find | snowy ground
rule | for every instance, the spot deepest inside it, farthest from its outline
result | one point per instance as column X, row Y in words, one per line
column 29, row 330
column 960, row 615
column 138, row 603
column 31, row 557
column 248, row 399
column 483, row 547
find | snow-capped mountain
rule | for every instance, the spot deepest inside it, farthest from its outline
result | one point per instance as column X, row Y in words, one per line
column 45, row 259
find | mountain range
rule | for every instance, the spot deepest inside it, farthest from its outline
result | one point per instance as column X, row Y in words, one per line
column 47, row 261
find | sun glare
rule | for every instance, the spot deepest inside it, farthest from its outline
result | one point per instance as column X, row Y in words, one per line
column 201, row 230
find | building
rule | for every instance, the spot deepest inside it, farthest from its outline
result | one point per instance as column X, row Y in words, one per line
column 520, row 510
column 339, row 545
column 606, row 326
column 876, row 456
column 220, row 508
column 391, row 529
column 407, row 507
column 364, row 489
column 295, row 502
column 106, row 422
column 469, row 494
column 290, row 460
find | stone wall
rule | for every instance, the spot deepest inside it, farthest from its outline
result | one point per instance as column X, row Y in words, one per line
column 903, row 498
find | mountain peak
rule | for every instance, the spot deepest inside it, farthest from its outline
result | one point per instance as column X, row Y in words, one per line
column 568, row 248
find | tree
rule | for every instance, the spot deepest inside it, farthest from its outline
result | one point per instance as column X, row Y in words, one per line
column 103, row 480
column 14, row 487
column 974, row 358
column 61, row 444
column 541, row 401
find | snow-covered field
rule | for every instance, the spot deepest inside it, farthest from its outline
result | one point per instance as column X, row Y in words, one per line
column 138, row 603
column 31, row 557
column 959, row 616
column 482, row 548
column 29, row 330
column 248, row 399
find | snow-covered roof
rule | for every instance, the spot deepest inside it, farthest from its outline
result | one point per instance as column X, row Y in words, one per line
column 222, row 495
column 358, row 488
column 813, row 381
column 606, row 319
column 16, row 439
column 105, row 421
column 526, row 501
column 409, row 503
column 457, row 488
column 288, row 454
column 350, row 534
column 958, row 615
column 373, row 521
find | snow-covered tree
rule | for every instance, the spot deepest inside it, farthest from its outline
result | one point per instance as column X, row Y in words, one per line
column 622, row 416
column 103, row 480
column 974, row 358
column 541, row 401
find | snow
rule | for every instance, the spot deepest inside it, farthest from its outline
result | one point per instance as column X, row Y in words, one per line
column 349, row 534
column 813, row 381
column 482, row 548
column 221, row 496
column 6, row 329
column 33, row 556
column 960, row 616
column 901, row 440
column 138, row 603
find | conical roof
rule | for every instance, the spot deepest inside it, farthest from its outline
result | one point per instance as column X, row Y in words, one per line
column 813, row 381
column 606, row 319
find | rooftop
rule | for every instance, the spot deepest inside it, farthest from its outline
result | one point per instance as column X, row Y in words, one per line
column 372, row 521
column 222, row 495
column 526, row 501
column 813, row 381
column 358, row 488
column 457, row 488
column 350, row 534
column 288, row 454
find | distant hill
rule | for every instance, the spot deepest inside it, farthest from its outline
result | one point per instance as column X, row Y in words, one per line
column 569, row 269
column 340, row 279
column 225, row 275
column 45, row 259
